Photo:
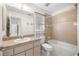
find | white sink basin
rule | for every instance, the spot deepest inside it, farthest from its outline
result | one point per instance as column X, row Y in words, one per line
column 22, row 40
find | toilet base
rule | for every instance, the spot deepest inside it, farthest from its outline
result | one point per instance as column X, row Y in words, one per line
column 45, row 53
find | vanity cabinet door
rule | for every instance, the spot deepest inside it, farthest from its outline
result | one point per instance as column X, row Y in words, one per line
column 19, row 49
column 37, row 51
column 8, row 52
column 29, row 52
column 21, row 54
column 22, row 48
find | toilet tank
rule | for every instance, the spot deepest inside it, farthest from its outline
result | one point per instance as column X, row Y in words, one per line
column 42, row 40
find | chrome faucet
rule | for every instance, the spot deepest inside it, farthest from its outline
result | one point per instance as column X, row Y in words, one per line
column 21, row 37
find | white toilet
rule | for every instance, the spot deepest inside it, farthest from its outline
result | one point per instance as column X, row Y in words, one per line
column 46, row 48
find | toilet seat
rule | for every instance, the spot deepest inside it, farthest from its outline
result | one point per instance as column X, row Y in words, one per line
column 47, row 47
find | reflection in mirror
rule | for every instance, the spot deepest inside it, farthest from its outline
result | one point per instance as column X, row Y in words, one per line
column 12, row 26
column 19, row 23
column 8, row 27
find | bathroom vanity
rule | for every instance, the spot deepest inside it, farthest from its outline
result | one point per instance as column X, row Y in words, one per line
column 16, row 24
column 23, row 48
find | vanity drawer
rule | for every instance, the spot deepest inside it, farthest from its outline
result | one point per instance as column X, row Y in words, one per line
column 36, row 43
column 21, row 54
column 8, row 52
column 22, row 48
column 29, row 52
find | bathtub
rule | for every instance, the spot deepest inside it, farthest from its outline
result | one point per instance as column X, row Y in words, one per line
column 62, row 49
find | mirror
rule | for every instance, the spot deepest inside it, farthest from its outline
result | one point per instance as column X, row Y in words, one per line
column 19, row 22
column 13, row 26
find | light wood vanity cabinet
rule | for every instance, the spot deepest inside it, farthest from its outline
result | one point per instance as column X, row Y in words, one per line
column 37, row 43
column 37, row 48
column 22, row 48
column 19, row 49
column 29, row 52
column 8, row 52
column 21, row 54
column 26, row 53
column 37, row 51
column 25, row 49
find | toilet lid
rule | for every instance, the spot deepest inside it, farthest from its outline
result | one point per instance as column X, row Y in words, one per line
column 45, row 45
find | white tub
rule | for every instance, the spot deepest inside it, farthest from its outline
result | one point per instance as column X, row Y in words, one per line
column 62, row 49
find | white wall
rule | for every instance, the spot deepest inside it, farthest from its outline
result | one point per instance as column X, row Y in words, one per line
column 27, row 24
column 77, row 28
column 35, row 8
column 28, row 7
column 62, row 10
column 0, row 25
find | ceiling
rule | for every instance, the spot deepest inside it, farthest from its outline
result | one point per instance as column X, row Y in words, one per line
column 53, row 7
column 49, row 8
